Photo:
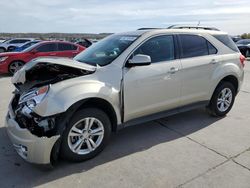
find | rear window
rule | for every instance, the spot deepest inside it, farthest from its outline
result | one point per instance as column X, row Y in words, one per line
column 226, row 40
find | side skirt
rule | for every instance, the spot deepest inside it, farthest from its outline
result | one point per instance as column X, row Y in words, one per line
column 163, row 114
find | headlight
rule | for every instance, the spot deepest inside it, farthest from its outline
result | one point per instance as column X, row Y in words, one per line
column 3, row 58
column 34, row 97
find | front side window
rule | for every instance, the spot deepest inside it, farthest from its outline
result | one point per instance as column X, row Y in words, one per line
column 47, row 47
column 105, row 51
column 160, row 48
column 13, row 42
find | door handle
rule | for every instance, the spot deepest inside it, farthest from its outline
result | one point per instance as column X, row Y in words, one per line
column 214, row 61
column 173, row 70
column 52, row 54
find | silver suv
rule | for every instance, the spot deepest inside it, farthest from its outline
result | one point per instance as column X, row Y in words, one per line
column 69, row 108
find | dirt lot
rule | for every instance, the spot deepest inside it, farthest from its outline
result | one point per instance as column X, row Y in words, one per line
column 187, row 150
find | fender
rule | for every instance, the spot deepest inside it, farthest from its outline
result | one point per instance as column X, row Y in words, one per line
column 63, row 95
column 222, row 71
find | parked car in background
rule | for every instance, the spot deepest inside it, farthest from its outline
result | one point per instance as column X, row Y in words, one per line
column 12, row 43
column 2, row 40
column 244, row 47
column 236, row 38
column 10, row 62
column 84, row 42
column 24, row 46
column 70, row 107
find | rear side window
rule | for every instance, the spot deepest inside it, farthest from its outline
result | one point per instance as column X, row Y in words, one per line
column 195, row 46
column 159, row 48
column 47, row 47
column 226, row 40
column 65, row 47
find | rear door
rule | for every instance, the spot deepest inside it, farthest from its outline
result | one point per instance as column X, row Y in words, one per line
column 198, row 60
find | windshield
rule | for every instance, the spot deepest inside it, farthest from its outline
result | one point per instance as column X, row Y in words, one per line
column 105, row 51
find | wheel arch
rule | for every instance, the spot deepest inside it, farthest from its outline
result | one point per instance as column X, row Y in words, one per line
column 95, row 102
column 229, row 78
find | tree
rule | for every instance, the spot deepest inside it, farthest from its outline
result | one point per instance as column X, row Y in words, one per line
column 245, row 36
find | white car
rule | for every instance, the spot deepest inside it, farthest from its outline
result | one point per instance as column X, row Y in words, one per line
column 12, row 43
column 70, row 107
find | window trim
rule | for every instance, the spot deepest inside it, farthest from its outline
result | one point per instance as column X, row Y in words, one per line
column 193, row 34
column 147, row 39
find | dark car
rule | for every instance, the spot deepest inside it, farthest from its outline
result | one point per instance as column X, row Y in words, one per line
column 244, row 47
column 85, row 43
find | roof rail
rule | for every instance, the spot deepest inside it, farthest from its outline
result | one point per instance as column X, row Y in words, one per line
column 192, row 27
column 147, row 28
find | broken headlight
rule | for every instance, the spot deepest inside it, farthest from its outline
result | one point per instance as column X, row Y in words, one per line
column 34, row 97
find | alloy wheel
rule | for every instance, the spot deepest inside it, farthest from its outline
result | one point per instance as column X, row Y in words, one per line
column 15, row 66
column 85, row 135
column 224, row 100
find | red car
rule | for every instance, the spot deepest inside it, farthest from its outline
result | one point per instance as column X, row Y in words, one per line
column 10, row 62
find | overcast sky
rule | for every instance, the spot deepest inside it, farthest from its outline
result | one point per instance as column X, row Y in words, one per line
column 96, row 16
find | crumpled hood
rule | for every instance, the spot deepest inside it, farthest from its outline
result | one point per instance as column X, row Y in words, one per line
column 20, row 76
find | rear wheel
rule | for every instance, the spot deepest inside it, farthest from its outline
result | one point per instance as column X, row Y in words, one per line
column 11, row 48
column 222, row 99
column 86, row 135
column 15, row 66
column 2, row 50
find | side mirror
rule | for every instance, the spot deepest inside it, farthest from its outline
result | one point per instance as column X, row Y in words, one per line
column 139, row 60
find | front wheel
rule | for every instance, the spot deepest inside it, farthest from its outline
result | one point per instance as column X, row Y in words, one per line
column 222, row 99
column 86, row 135
column 15, row 66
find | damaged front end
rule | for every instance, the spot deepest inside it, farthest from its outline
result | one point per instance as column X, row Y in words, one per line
column 28, row 130
column 23, row 105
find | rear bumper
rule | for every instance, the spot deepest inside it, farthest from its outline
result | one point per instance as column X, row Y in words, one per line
column 30, row 147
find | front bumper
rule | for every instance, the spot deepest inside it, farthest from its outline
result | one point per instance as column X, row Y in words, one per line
column 30, row 147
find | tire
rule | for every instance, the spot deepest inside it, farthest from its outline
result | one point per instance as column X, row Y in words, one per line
column 11, row 48
column 2, row 50
column 15, row 66
column 71, row 136
column 221, row 104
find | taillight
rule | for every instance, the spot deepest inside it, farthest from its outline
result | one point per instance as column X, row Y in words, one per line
column 242, row 60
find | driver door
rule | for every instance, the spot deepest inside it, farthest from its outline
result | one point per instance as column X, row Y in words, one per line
column 156, row 87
